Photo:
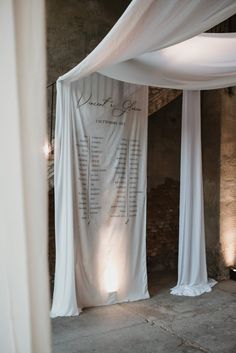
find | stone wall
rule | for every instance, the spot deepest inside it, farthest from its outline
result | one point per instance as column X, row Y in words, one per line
column 219, row 179
column 74, row 28
column 163, row 226
column 228, row 182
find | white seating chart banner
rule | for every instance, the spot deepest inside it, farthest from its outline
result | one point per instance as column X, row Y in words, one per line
column 109, row 149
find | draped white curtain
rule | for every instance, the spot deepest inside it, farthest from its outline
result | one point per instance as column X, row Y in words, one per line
column 151, row 45
column 192, row 271
column 105, row 261
column 24, row 295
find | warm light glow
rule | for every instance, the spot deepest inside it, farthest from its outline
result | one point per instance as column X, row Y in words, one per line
column 46, row 149
column 111, row 279
column 111, row 261
column 228, row 250
column 228, row 240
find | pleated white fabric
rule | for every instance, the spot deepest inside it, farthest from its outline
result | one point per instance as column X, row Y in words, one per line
column 24, row 292
column 192, row 271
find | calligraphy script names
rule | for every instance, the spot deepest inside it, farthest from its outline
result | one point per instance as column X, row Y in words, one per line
column 128, row 105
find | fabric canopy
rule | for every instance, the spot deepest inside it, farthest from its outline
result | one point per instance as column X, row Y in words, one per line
column 150, row 25
column 150, row 45
column 207, row 61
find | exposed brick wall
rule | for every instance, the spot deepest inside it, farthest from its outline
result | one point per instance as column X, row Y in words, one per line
column 162, row 225
column 163, row 186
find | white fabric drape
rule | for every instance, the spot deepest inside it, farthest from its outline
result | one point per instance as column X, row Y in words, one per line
column 151, row 25
column 24, row 294
column 134, row 50
column 105, row 228
column 207, row 61
column 192, row 272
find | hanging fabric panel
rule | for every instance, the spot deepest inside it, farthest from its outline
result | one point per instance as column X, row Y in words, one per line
column 108, row 141
column 24, row 292
column 192, row 272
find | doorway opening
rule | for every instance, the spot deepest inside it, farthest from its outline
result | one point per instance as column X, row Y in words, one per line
column 163, row 189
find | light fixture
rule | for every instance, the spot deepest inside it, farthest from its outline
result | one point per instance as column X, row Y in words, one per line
column 47, row 149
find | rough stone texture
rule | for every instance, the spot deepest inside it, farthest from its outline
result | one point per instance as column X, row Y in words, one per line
column 162, row 226
column 162, row 324
column 164, row 134
column 228, row 181
column 74, row 28
column 219, row 175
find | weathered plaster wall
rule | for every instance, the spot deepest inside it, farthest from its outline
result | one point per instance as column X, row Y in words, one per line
column 219, row 178
column 74, row 28
column 228, row 181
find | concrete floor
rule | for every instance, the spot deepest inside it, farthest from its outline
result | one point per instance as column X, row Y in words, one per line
column 162, row 324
